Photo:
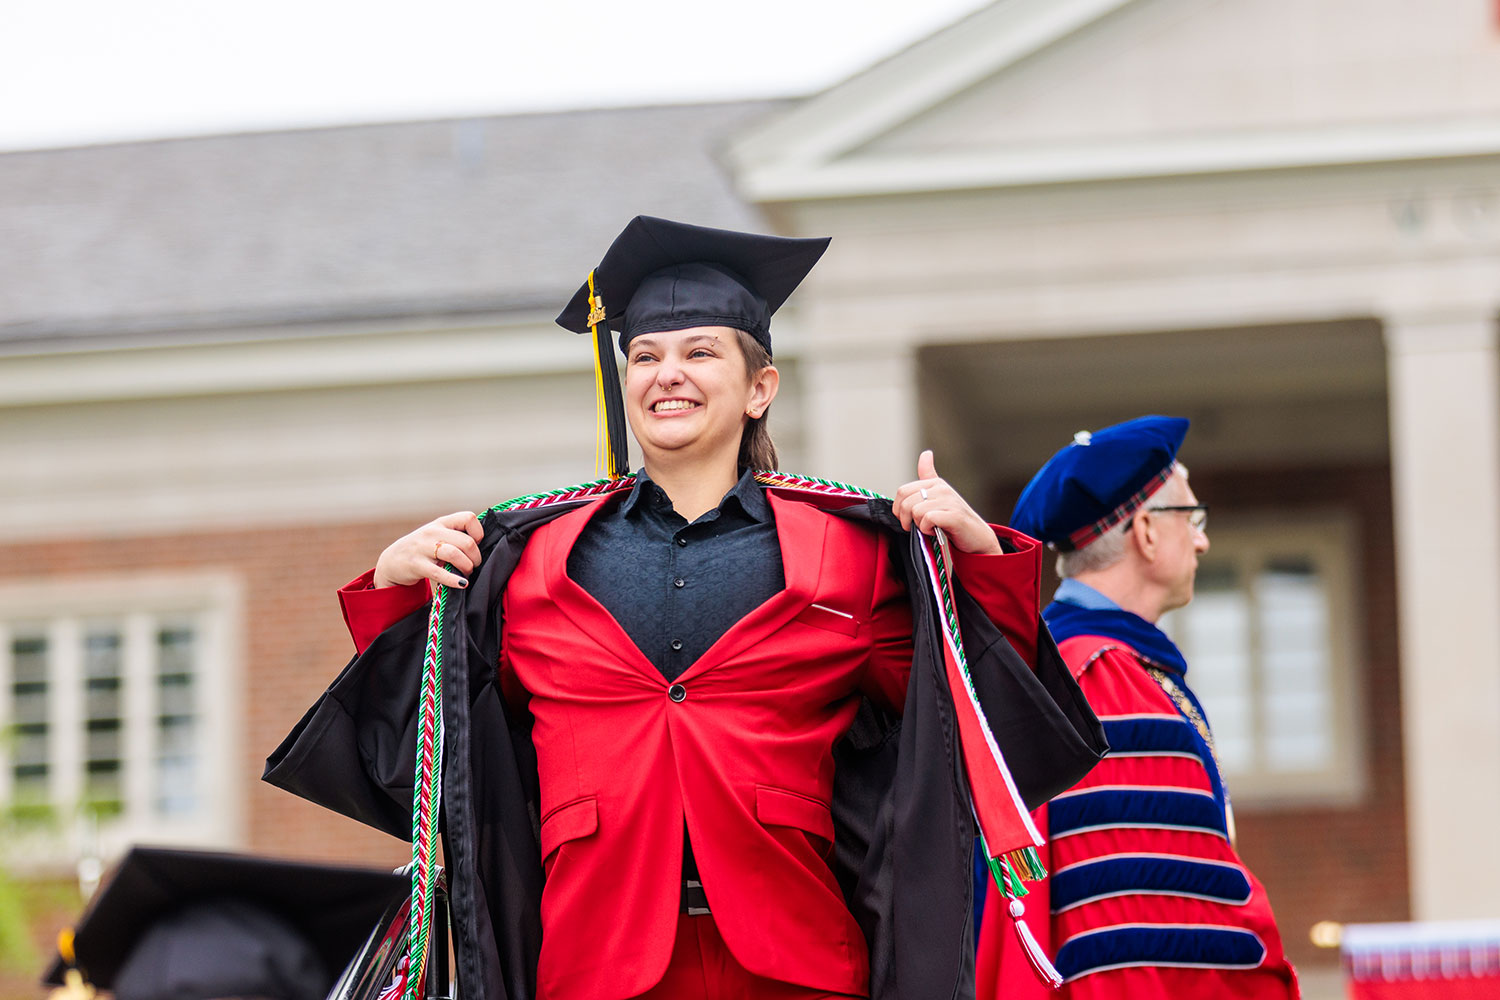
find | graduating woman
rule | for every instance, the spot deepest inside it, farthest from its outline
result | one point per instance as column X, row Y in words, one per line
column 705, row 728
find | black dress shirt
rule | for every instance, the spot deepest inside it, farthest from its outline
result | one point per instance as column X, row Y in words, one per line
column 676, row 587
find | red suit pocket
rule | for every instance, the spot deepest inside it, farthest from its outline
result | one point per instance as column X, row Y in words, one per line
column 783, row 807
column 569, row 821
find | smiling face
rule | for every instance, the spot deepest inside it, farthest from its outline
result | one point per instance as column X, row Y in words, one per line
column 688, row 393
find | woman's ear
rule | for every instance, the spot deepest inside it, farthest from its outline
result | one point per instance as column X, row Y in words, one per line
column 763, row 388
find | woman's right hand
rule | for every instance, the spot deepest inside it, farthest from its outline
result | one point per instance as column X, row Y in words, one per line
column 425, row 553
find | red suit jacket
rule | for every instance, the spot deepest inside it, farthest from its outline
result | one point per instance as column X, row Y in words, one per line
column 1147, row 897
column 743, row 755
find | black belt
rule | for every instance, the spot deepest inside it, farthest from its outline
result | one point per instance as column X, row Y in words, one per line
column 694, row 899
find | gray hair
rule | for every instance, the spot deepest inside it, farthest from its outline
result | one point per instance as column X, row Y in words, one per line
column 1109, row 548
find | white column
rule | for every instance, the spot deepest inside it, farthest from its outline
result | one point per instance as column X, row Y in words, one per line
column 1444, row 384
column 65, row 711
column 138, row 718
column 861, row 413
column 223, row 688
column 7, row 708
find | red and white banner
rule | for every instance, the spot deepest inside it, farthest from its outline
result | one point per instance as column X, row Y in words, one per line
column 1434, row 960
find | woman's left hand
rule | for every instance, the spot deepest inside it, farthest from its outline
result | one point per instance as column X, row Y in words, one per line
column 930, row 503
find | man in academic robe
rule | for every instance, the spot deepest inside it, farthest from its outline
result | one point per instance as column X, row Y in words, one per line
column 1147, row 897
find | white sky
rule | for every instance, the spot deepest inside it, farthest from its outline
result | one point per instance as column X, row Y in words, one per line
column 83, row 71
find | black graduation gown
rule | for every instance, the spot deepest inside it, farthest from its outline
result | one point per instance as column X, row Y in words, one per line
column 904, row 825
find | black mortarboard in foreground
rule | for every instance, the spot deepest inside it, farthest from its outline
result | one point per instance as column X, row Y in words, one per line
column 180, row 925
column 222, row 948
column 662, row 275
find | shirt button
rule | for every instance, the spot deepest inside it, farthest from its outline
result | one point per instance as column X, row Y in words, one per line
column 676, row 645
column 679, row 583
column 677, row 693
column 681, row 540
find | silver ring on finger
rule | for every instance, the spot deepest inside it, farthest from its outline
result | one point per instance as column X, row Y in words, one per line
column 922, row 491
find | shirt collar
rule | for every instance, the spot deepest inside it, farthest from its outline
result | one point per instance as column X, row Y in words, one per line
column 747, row 493
column 751, row 497
column 1081, row 595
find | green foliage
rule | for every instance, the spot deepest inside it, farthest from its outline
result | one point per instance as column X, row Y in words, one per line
column 104, row 808
column 18, row 952
column 23, row 816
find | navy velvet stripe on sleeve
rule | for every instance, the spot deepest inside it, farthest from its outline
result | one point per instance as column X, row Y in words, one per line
column 1167, row 945
column 1076, row 812
column 1153, row 874
column 1150, row 736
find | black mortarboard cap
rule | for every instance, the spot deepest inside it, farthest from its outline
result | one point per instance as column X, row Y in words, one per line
column 184, row 924
column 663, row 275
column 222, row 948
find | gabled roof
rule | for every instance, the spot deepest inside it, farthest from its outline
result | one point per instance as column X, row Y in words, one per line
column 179, row 239
column 849, row 114
column 1026, row 92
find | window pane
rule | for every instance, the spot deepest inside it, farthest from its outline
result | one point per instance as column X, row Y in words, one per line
column 1217, row 640
column 103, row 666
column 105, row 714
column 177, row 730
column 29, row 696
column 1293, row 608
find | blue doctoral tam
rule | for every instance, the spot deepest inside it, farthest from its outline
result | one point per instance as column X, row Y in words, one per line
column 1098, row 481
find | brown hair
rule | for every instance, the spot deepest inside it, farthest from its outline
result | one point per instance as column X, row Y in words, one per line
column 757, row 450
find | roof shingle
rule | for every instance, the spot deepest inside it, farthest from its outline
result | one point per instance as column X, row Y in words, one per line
column 425, row 218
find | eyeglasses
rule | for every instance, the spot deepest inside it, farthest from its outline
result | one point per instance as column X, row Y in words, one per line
column 1197, row 514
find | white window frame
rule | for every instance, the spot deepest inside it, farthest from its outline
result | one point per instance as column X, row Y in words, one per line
column 138, row 603
column 1328, row 539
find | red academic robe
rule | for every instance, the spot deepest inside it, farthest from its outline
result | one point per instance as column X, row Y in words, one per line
column 1141, row 863
column 742, row 754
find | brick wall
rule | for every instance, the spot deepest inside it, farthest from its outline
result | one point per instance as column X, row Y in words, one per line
column 1347, row 863
column 295, row 643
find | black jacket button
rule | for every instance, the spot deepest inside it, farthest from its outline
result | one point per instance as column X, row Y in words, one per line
column 677, row 693
column 676, row 645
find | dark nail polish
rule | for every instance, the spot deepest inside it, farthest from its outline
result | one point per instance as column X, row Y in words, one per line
column 463, row 583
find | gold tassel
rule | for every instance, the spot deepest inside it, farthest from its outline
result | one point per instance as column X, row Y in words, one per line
column 611, row 452
column 601, row 419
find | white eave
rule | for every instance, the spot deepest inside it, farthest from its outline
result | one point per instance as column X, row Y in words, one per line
column 870, row 175
column 894, row 91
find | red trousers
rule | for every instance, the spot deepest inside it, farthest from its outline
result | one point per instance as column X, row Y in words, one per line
column 702, row 969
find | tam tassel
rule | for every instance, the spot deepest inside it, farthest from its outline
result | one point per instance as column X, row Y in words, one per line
column 1045, row 970
column 611, row 453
